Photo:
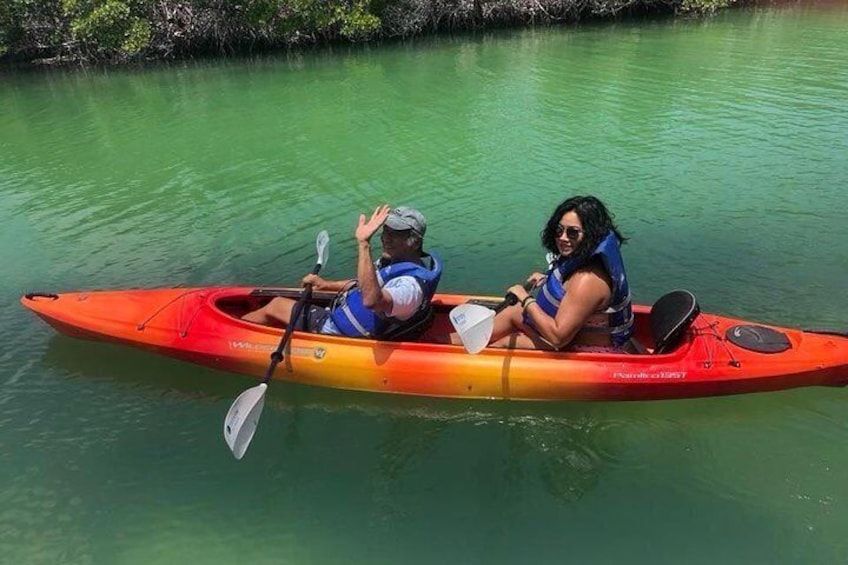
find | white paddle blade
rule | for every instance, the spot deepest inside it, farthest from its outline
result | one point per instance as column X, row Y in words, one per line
column 242, row 419
column 474, row 324
column 322, row 244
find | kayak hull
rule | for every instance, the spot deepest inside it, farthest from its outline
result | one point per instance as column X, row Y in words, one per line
column 202, row 325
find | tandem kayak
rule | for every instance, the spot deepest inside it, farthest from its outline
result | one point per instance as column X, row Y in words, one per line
column 687, row 353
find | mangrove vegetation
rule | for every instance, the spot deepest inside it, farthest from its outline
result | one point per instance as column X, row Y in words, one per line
column 120, row 31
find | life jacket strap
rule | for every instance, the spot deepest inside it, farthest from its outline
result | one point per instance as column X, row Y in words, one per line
column 345, row 309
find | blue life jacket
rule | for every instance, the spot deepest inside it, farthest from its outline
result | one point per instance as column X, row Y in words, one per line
column 353, row 319
column 620, row 310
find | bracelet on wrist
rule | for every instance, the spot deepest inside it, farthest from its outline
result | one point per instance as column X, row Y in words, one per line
column 527, row 302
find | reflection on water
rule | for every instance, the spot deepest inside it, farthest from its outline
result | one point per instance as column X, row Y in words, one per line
column 565, row 453
column 565, row 447
column 396, row 462
column 720, row 145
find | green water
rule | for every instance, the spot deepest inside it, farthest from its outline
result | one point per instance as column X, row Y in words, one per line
column 721, row 145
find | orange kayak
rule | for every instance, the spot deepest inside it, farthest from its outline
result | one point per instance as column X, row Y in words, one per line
column 712, row 355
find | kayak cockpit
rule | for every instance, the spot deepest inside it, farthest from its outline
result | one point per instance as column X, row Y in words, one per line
column 435, row 330
column 659, row 329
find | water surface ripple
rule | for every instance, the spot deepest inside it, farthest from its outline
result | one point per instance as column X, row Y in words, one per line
column 720, row 145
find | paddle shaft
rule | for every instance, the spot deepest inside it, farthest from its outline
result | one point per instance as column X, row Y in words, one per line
column 510, row 299
column 297, row 311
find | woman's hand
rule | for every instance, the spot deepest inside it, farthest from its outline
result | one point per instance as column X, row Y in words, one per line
column 518, row 291
column 537, row 279
column 365, row 230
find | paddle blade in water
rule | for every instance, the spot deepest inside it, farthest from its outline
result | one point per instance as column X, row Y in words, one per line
column 242, row 419
column 474, row 324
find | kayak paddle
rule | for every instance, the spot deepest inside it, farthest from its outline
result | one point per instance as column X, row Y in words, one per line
column 243, row 416
column 474, row 323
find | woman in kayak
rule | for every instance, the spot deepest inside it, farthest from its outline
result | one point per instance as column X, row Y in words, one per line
column 583, row 302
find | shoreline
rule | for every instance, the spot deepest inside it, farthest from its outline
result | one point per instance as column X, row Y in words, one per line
column 113, row 35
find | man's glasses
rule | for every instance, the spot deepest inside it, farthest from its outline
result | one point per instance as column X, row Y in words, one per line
column 571, row 232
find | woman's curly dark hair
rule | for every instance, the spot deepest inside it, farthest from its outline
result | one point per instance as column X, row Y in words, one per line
column 597, row 223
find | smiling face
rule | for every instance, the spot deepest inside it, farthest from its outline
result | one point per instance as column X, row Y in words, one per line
column 569, row 233
column 396, row 242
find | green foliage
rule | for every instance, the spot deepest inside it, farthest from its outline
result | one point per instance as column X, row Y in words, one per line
column 351, row 20
column 6, row 26
column 11, row 20
column 29, row 24
column 109, row 28
column 104, row 27
column 138, row 37
column 316, row 15
column 359, row 23
column 116, row 30
column 261, row 13
column 704, row 6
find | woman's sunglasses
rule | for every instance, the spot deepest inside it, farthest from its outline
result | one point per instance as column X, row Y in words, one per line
column 570, row 232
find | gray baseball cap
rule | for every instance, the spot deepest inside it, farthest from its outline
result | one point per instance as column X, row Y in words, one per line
column 406, row 218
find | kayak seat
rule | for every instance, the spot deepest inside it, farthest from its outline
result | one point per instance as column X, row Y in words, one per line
column 671, row 316
column 412, row 329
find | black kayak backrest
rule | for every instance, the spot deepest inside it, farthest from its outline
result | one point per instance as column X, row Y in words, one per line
column 413, row 328
column 671, row 316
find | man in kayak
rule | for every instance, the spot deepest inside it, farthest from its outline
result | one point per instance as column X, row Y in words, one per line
column 389, row 298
